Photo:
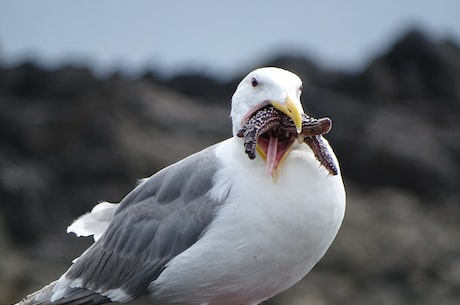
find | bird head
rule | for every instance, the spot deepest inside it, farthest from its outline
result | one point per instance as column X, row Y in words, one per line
column 280, row 89
column 264, row 86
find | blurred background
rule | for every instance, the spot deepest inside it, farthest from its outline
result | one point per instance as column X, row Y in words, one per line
column 94, row 95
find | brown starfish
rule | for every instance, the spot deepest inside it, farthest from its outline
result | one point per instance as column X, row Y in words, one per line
column 268, row 123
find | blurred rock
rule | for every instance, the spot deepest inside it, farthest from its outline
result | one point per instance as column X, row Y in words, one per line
column 69, row 140
column 416, row 67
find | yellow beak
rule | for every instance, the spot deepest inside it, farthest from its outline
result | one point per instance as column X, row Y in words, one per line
column 292, row 110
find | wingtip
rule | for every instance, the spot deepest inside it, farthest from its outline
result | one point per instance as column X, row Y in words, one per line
column 74, row 297
column 39, row 297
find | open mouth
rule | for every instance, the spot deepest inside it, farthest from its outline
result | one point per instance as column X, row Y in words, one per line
column 273, row 134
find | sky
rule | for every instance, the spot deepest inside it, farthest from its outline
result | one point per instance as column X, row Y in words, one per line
column 218, row 37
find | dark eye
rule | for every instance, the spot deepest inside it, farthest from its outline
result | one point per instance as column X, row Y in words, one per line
column 254, row 82
column 300, row 88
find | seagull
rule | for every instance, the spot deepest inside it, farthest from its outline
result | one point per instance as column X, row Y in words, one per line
column 216, row 228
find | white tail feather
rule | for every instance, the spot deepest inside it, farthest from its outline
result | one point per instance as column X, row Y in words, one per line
column 95, row 222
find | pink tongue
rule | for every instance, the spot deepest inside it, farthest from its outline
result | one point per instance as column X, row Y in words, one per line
column 271, row 155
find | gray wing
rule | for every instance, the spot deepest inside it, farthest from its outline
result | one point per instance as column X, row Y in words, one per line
column 159, row 219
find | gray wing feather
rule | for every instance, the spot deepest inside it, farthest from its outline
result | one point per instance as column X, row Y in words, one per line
column 159, row 219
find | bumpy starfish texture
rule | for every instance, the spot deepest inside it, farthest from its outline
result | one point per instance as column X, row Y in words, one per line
column 277, row 124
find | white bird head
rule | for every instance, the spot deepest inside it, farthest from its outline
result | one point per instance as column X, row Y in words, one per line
column 264, row 86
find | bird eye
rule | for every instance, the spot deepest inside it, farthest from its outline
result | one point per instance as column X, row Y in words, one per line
column 300, row 89
column 254, row 82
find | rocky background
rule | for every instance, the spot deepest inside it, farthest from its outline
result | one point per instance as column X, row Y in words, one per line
column 69, row 139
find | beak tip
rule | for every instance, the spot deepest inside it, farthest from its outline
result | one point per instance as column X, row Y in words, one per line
column 297, row 122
